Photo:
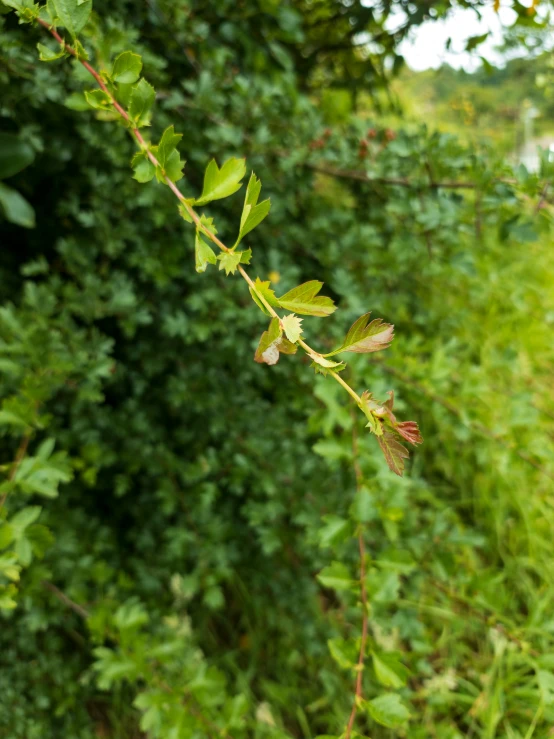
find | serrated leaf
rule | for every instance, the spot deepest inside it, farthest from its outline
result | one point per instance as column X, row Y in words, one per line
column 49, row 55
column 168, row 156
column 203, row 253
column 336, row 577
column 220, row 183
column 73, row 14
column 229, row 261
column 141, row 102
column 126, row 68
column 98, row 99
column 303, row 300
column 252, row 214
column 388, row 670
column 394, row 452
column 268, row 294
column 387, row 710
column 292, row 327
column 144, row 170
column 364, row 338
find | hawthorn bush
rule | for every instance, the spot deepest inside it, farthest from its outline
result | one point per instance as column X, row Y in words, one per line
column 195, row 544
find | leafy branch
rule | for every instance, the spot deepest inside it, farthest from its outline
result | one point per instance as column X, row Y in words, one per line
column 162, row 161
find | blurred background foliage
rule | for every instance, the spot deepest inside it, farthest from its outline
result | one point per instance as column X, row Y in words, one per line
column 173, row 500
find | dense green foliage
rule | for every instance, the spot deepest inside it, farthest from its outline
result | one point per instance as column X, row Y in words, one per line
column 183, row 519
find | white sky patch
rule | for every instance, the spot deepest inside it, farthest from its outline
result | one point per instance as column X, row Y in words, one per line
column 425, row 48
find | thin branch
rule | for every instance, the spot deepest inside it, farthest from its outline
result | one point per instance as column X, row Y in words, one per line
column 542, row 198
column 178, row 194
column 21, row 452
column 352, row 174
column 62, row 597
column 363, row 642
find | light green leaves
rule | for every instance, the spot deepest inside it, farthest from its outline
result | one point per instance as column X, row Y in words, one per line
column 387, row 710
column 263, row 289
column 230, row 260
column 292, row 327
column 46, row 54
column 273, row 343
column 98, row 99
column 326, row 364
column 203, row 253
column 73, row 14
column 15, row 208
column 303, row 300
column 126, row 68
column 252, row 213
column 220, row 183
column 143, row 168
column 363, row 338
column 336, row 577
column 141, row 102
column 168, row 156
column 389, row 671
column 394, row 452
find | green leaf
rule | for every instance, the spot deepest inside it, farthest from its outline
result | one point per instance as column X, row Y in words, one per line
column 220, row 183
column 268, row 294
column 229, row 261
column 336, row 577
column 363, row 338
column 388, row 670
column 144, row 170
column 15, row 155
column 73, row 14
column 292, row 327
column 6, row 535
column 183, row 212
column 24, row 551
column 268, row 351
column 320, row 360
column 126, row 68
column 98, row 99
column 303, row 300
column 16, row 209
column 252, row 214
column 168, row 156
column 335, row 531
column 141, row 102
column 343, row 652
column 245, row 256
column 24, row 518
column 6, row 598
column 49, row 55
column 203, row 253
column 387, row 710
column 394, row 452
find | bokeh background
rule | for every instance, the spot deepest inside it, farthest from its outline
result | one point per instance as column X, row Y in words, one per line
column 190, row 496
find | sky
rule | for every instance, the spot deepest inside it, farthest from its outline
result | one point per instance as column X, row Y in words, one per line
column 426, row 48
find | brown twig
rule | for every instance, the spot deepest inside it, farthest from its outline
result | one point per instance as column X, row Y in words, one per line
column 21, row 452
column 352, row 174
column 63, row 598
column 361, row 656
